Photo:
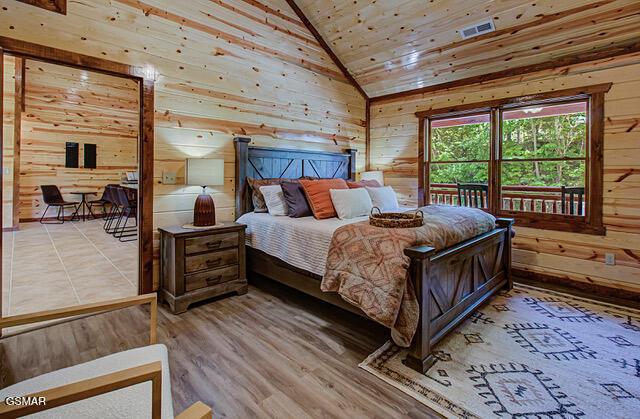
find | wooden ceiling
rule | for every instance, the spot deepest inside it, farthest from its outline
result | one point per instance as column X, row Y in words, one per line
column 391, row 46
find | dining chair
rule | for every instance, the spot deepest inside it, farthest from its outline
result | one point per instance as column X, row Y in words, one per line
column 53, row 198
column 114, row 209
column 128, row 209
column 101, row 202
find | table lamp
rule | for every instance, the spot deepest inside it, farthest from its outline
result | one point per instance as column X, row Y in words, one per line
column 204, row 172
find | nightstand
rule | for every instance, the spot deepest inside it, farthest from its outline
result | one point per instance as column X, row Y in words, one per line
column 196, row 264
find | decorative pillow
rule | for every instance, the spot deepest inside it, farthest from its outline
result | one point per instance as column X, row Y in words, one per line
column 297, row 205
column 383, row 198
column 351, row 203
column 274, row 199
column 372, row 183
column 256, row 196
column 319, row 198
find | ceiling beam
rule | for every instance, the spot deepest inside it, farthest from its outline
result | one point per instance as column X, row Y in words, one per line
column 326, row 47
column 608, row 52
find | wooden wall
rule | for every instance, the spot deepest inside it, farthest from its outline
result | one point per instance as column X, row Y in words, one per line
column 225, row 68
column 8, row 86
column 578, row 257
column 66, row 104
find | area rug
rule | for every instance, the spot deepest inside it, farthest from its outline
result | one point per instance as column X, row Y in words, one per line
column 529, row 353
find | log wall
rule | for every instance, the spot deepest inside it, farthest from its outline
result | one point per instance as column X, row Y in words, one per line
column 580, row 257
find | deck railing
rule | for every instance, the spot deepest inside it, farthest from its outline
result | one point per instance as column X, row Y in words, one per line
column 542, row 199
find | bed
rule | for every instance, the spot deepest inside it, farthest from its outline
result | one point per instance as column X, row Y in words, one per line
column 450, row 284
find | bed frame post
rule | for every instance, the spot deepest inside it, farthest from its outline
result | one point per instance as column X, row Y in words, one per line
column 506, row 256
column 420, row 357
column 241, row 145
column 352, row 163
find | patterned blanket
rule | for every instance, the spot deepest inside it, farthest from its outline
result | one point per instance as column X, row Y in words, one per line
column 366, row 265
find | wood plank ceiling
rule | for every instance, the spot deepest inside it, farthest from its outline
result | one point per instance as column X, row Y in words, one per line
column 392, row 46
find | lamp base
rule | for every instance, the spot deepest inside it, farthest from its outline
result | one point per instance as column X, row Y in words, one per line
column 204, row 211
column 192, row 227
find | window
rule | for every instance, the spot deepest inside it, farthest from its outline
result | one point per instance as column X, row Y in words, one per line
column 537, row 159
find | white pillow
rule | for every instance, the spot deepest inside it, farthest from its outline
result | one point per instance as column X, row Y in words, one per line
column 350, row 203
column 274, row 198
column 383, row 198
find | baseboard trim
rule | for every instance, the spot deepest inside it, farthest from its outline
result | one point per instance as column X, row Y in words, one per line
column 9, row 229
column 594, row 291
column 67, row 218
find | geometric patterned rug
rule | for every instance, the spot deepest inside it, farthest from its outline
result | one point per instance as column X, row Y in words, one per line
column 529, row 353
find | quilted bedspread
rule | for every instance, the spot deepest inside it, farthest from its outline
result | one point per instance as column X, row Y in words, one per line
column 366, row 265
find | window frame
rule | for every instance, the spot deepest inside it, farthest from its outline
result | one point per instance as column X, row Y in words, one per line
column 592, row 222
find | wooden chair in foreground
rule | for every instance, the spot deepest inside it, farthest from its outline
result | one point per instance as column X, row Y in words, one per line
column 132, row 383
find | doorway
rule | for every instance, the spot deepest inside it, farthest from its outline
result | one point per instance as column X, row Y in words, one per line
column 77, row 124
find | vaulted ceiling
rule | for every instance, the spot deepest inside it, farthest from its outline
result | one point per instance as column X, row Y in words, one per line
column 391, row 46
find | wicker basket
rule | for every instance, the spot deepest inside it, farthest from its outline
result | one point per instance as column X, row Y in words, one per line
column 396, row 219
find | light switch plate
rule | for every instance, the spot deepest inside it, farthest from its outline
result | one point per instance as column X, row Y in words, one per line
column 609, row 258
column 169, row 178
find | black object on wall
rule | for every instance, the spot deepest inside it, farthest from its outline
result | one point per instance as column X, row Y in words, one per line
column 90, row 156
column 71, row 155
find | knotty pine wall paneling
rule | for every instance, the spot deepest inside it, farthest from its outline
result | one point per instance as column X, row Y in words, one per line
column 579, row 257
column 395, row 46
column 65, row 104
column 223, row 69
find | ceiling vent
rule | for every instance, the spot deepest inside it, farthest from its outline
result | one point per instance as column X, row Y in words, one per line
column 477, row 29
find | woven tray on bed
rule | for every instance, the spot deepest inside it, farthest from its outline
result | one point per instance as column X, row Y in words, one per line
column 395, row 219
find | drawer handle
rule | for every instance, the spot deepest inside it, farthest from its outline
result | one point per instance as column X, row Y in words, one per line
column 214, row 245
column 214, row 262
column 214, row 280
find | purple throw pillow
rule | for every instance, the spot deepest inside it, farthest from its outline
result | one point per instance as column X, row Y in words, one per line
column 296, row 200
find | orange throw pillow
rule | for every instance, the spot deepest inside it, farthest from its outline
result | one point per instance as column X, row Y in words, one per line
column 372, row 183
column 317, row 192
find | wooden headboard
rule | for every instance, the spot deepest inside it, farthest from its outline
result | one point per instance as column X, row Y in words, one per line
column 265, row 162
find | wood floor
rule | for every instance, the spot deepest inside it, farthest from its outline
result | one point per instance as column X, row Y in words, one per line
column 270, row 353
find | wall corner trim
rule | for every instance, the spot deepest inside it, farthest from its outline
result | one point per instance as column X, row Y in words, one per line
column 326, row 47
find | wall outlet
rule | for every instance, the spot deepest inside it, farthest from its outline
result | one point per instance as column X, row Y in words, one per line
column 609, row 259
column 169, row 178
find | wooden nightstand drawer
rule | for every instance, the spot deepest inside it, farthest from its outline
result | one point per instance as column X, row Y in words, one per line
column 210, row 243
column 211, row 260
column 209, row 278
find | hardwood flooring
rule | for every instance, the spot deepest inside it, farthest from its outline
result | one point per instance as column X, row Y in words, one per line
column 273, row 352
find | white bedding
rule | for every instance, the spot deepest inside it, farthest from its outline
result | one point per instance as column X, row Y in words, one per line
column 300, row 242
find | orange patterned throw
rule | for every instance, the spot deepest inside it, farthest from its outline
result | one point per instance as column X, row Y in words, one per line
column 366, row 265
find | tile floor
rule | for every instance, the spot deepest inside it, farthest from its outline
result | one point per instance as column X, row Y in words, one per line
column 52, row 266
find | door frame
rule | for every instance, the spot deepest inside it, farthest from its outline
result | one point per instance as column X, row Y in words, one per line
column 145, row 77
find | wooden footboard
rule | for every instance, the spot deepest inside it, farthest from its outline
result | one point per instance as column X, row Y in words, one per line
column 452, row 283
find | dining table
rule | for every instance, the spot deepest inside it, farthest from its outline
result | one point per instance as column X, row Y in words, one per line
column 83, row 205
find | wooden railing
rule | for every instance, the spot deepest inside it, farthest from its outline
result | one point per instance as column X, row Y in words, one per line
column 542, row 199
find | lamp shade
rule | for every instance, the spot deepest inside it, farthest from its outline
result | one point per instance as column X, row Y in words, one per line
column 205, row 172
column 373, row 175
